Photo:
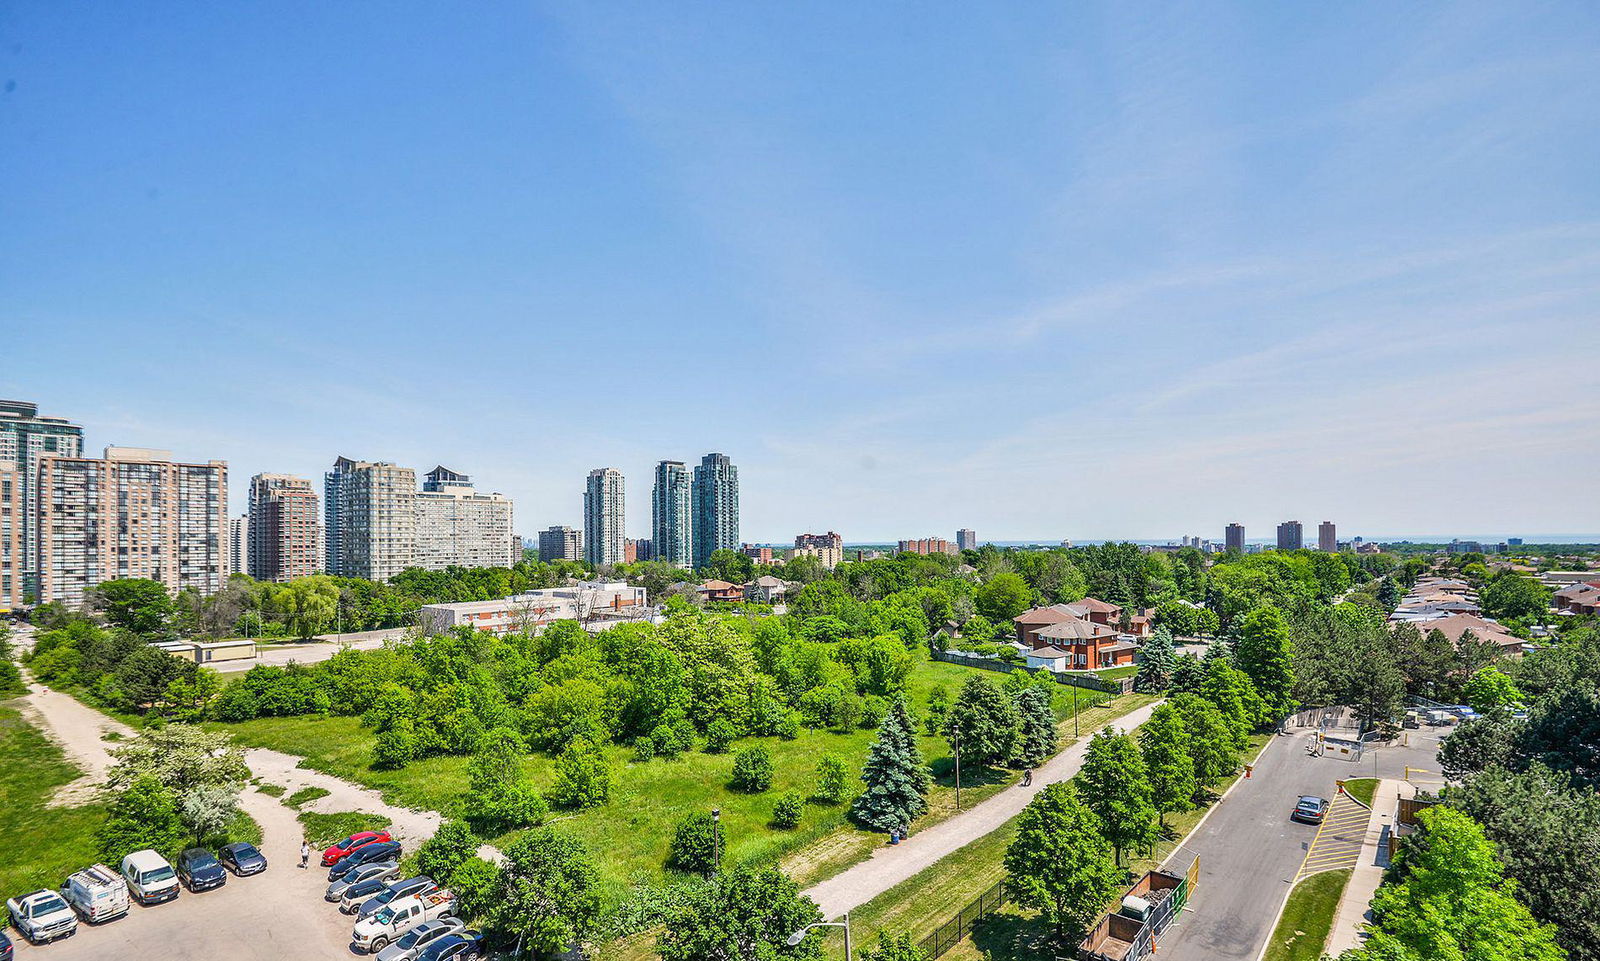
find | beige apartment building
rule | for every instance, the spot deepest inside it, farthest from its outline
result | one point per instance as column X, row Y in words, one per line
column 11, row 515
column 371, row 515
column 134, row 513
column 282, row 540
column 459, row 527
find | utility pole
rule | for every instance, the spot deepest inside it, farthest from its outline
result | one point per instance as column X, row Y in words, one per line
column 958, row 769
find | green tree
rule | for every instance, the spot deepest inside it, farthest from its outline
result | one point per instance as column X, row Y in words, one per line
column 143, row 814
column 745, row 915
column 135, row 604
column 1003, row 597
column 896, row 778
column 1448, row 898
column 697, row 844
column 549, row 892
column 752, row 770
column 1514, row 595
column 1187, row 675
column 395, row 746
column 1116, row 786
column 832, row 779
column 1231, row 691
column 452, row 845
column 1263, row 654
column 984, row 721
column 499, row 796
column 142, row 678
column 1389, row 594
column 1488, row 691
column 308, row 604
column 1037, row 738
column 1211, row 744
column 1060, row 862
column 1157, row 661
column 583, row 775
column 719, row 734
column 1164, row 741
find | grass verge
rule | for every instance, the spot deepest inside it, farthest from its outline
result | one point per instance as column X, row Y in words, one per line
column 305, row 796
column 1362, row 789
column 42, row 844
column 324, row 829
column 1307, row 918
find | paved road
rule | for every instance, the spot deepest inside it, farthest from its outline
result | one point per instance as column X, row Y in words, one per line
column 1338, row 841
column 1250, row 852
column 889, row 866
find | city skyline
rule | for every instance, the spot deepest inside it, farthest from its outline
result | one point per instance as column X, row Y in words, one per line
column 1324, row 277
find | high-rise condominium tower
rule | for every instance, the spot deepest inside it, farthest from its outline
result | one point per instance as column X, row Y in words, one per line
column 282, row 541
column 24, row 438
column 1327, row 537
column 371, row 516
column 603, row 516
column 459, row 527
column 1233, row 537
column 967, row 539
column 560, row 544
column 716, row 507
column 1290, row 537
column 670, row 521
column 135, row 513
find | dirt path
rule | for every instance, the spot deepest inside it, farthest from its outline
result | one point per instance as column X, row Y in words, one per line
column 888, row 866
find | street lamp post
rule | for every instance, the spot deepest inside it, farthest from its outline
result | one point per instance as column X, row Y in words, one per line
column 800, row 935
column 958, row 769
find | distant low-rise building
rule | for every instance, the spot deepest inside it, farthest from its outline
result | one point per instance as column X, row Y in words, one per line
column 596, row 605
column 828, row 557
column 766, row 590
column 1582, row 598
column 717, row 591
column 927, row 545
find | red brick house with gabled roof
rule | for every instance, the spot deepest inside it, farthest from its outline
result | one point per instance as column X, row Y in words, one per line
column 715, row 590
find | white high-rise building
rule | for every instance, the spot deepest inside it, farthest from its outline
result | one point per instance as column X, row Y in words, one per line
column 459, row 527
column 670, row 521
column 603, row 516
column 371, row 514
column 239, row 544
column 134, row 513
column 25, row 437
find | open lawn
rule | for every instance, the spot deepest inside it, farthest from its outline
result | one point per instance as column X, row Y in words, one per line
column 1307, row 918
column 923, row 903
column 41, row 844
column 631, row 833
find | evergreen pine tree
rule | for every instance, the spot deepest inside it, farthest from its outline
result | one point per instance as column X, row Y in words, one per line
column 897, row 780
column 1038, row 738
column 1164, row 741
column 1389, row 594
column 984, row 721
column 1156, row 663
column 1116, row 788
column 1187, row 673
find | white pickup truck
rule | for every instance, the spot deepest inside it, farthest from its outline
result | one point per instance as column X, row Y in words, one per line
column 42, row 916
column 374, row 934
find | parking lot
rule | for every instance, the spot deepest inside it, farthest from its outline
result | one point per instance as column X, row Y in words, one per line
column 279, row 914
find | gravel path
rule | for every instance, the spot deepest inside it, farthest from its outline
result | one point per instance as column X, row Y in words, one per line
column 889, row 866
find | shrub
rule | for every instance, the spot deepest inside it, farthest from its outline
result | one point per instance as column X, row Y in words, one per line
column 451, row 846
column 789, row 726
column 787, row 812
column 831, row 779
column 719, row 734
column 396, row 746
column 872, row 711
column 752, row 770
column 696, row 844
column 644, row 748
column 664, row 741
column 583, row 778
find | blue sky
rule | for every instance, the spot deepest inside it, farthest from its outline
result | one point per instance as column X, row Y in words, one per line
column 1043, row 270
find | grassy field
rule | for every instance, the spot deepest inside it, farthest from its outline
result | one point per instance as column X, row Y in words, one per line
column 1307, row 918
column 41, row 845
column 1362, row 789
column 922, row 903
column 632, row 832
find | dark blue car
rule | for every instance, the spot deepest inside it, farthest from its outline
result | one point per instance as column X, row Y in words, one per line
column 5, row 947
column 200, row 871
column 242, row 858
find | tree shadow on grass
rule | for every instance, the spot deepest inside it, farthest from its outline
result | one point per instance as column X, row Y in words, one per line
column 972, row 775
column 1015, row 937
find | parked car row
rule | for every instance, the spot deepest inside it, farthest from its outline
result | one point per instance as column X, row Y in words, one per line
column 397, row 919
column 98, row 894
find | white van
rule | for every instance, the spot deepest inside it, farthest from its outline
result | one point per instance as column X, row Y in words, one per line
column 97, row 894
column 150, row 878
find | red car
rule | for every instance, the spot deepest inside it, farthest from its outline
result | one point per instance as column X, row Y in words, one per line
column 342, row 849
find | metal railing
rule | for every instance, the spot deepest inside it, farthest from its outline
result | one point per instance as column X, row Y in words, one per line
column 954, row 930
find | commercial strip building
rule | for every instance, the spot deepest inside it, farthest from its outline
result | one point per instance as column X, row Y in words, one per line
column 604, row 515
column 459, row 527
column 133, row 513
column 560, row 544
column 671, row 522
column 25, row 438
column 716, row 507
column 281, row 541
column 596, row 605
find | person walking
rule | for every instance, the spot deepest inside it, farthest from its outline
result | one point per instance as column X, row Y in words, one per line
column 305, row 853
column 1027, row 777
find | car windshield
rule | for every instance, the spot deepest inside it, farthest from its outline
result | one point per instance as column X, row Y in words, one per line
column 385, row 917
column 155, row 874
column 244, row 851
column 48, row 905
column 201, row 860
